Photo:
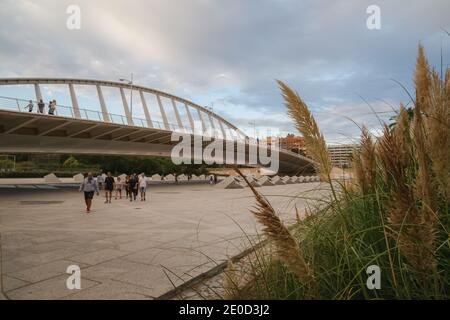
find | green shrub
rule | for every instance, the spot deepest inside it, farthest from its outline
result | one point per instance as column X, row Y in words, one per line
column 71, row 162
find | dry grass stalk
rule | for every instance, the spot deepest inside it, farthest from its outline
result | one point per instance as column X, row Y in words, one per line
column 404, row 157
column 411, row 229
column 297, row 215
column 421, row 77
column 230, row 281
column 364, row 161
column 447, row 83
column 403, row 137
column 307, row 213
column 437, row 124
column 286, row 246
column 357, row 169
column 307, row 126
column 423, row 181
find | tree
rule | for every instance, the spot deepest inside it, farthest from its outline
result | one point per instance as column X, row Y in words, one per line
column 71, row 162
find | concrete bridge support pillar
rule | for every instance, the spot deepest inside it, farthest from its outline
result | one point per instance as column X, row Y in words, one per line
column 163, row 113
column 146, row 112
column 73, row 97
column 103, row 104
column 125, row 107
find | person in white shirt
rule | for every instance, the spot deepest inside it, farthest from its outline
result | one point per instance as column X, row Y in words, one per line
column 89, row 186
column 51, row 111
column 142, row 186
column 30, row 106
column 100, row 181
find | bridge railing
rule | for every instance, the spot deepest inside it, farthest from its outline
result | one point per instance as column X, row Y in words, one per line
column 16, row 104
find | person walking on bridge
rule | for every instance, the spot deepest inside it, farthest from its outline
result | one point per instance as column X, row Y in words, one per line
column 52, row 107
column 30, row 106
column 89, row 186
column 41, row 106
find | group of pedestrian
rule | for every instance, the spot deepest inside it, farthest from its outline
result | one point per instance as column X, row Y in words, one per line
column 133, row 184
column 41, row 106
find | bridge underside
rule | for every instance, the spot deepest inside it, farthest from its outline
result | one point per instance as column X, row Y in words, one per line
column 40, row 133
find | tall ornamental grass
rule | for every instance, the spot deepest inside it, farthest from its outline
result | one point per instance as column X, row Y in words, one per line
column 394, row 213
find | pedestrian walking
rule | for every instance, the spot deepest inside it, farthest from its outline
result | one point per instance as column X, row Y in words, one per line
column 41, row 106
column 89, row 186
column 119, row 187
column 52, row 107
column 100, row 181
column 127, row 186
column 51, row 111
column 30, row 106
column 132, row 186
column 109, row 187
column 142, row 186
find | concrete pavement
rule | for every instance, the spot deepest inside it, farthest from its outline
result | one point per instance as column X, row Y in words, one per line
column 127, row 250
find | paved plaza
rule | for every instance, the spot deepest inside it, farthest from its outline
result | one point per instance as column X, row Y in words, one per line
column 126, row 250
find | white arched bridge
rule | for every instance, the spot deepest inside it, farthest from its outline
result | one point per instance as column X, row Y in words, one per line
column 79, row 129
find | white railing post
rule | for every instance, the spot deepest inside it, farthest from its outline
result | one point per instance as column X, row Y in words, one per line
column 163, row 113
column 146, row 111
column 177, row 115
column 212, row 124
column 125, row 107
column 73, row 96
column 191, row 120
column 105, row 114
column 202, row 121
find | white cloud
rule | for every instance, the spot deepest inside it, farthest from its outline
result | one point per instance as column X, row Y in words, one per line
column 230, row 54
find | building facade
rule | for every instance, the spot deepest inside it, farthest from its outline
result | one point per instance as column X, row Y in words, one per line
column 341, row 155
column 290, row 142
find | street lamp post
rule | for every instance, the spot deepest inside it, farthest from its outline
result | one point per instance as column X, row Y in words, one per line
column 130, row 83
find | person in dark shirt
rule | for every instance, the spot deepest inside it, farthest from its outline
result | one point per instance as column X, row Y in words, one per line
column 132, row 186
column 127, row 186
column 41, row 106
column 109, row 187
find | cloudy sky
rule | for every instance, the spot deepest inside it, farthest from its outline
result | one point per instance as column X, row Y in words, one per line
column 227, row 54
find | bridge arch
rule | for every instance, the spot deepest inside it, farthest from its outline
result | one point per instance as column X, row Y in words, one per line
column 224, row 126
